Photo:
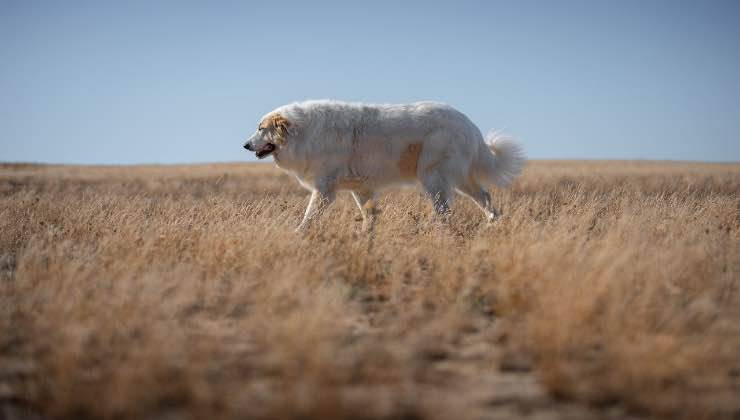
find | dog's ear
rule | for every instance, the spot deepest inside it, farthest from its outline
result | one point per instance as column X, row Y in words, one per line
column 281, row 125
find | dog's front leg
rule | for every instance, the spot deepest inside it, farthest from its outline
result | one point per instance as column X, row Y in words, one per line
column 366, row 203
column 320, row 200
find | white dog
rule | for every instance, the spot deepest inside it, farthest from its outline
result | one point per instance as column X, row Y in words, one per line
column 332, row 145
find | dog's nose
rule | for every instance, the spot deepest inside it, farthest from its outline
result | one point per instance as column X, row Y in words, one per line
column 247, row 146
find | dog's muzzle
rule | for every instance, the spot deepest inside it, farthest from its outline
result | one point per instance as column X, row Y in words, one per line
column 265, row 151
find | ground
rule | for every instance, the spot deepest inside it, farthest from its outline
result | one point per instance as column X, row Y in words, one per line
column 607, row 290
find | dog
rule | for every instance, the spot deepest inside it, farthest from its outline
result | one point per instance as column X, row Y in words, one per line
column 331, row 146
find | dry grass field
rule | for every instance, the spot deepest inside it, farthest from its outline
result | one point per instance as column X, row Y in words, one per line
column 608, row 290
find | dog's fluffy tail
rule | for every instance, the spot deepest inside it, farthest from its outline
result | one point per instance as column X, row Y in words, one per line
column 501, row 160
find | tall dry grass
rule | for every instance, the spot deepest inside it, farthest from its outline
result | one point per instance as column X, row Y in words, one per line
column 608, row 290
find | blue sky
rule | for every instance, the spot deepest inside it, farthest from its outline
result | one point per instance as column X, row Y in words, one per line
column 166, row 82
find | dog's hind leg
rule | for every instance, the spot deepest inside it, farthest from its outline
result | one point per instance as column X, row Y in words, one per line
column 439, row 191
column 438, row 169
column 320, row 200
column 366, row 202
column 481, row 197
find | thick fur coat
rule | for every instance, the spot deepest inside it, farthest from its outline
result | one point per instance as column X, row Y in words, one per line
column 331, row 146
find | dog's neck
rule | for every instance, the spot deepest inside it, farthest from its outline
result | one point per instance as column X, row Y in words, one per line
column 284, row 159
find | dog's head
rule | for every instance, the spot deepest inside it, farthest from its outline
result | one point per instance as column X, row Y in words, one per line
column 272, row 134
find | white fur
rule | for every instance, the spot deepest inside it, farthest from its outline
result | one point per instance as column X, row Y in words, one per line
column 332, row 145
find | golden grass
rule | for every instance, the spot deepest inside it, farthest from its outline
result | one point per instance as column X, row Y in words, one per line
column 609, row 289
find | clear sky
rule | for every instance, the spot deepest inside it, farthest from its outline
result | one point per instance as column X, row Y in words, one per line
column 179, row 81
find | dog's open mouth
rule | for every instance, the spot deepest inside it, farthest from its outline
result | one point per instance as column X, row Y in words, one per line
column 265, row 151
